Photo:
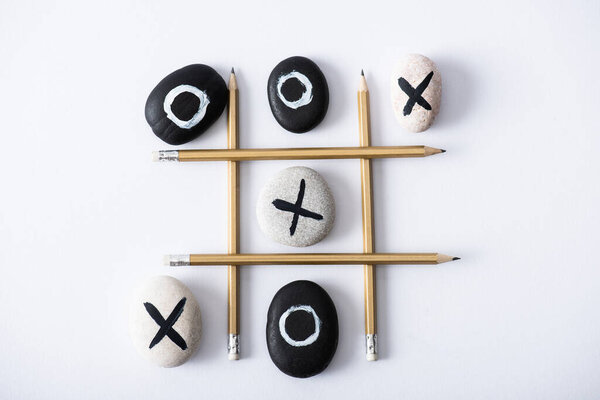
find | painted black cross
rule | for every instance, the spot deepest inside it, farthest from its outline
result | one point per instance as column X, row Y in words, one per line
column 296, row 208
column 166, row 326
column 414, row 94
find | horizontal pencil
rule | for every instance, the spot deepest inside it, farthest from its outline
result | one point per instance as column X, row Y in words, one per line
column 307, row 259
column 310, row 153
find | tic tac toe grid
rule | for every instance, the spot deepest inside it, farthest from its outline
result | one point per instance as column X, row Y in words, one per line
column 233, row 259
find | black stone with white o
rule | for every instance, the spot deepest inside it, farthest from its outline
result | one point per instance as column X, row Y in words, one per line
column 302, row 329
column 186, row 103
column 298, row 94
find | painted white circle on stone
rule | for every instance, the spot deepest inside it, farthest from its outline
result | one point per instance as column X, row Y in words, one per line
column 296, row 207
column 306, row 97
column 164, row 321
column 309, row 340
column 176, row 91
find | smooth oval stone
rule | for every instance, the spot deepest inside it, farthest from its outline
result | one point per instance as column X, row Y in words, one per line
column 296, row 207
column 186, row 103
column 164, row 321
column 416, row 92
column 302, row 329
column 298, row 94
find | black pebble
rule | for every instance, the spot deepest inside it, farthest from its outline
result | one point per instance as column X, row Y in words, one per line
column 185, row 105
column 304, row 117
column 311, row 359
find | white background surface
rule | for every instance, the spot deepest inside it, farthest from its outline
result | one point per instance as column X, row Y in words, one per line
column 85, row 215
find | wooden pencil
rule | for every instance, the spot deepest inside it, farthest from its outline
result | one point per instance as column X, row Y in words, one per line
column 364, row 131
column 308, row 259
column 233, row 203
column 311, row 153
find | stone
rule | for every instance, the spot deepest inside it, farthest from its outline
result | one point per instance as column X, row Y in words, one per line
column 164, row 321
column 186, row 103
column 416, row 92
column 296, row 207
column 302, row 329
column 298, row 94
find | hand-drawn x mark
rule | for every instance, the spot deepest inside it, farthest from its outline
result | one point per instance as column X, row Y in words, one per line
column 296, row 208
column 414, row 94
column 166, row 326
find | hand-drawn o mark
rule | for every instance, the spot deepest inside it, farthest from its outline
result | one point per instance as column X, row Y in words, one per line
column 306, row 95
column 296, row 208
column 166, row 325
column 414, row 94
column 192, row 122
column 309, row 340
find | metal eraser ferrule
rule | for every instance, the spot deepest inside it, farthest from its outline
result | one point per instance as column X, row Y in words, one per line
column 233, row 347
column 178, row 260
column 371, row 346
column 167, row 156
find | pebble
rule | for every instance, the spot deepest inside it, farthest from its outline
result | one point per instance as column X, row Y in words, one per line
column 296, row 207
column 164, row 321
column 416, row 87
column 298, row 94
column 302, row 329
column 186, row 103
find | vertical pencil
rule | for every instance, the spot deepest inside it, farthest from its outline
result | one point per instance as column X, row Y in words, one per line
column 233, row 187
column 364, row 130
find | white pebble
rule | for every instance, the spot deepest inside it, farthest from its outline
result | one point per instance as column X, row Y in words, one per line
column 277, row 203
column 416, row 86
column 155, row 303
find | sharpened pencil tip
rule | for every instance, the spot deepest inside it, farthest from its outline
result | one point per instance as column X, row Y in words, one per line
column 362, row 72
column 443, row 151
column 232, row 71
column 455, row 258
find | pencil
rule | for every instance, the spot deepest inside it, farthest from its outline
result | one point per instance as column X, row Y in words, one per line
column 310, row 153
column 308, row 259
column 364, row 131
column 233, row 202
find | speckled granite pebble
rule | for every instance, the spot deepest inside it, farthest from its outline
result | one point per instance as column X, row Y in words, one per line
column 416, row 87
column 164, row 321
column 296, row 207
